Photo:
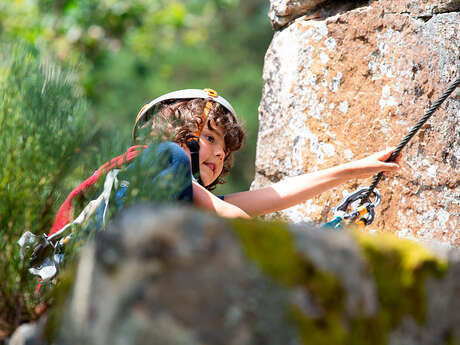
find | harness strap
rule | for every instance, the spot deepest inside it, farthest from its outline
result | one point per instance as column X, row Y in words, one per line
column 64, row 214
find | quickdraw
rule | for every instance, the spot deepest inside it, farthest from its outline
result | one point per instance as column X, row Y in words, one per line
column 363, row 213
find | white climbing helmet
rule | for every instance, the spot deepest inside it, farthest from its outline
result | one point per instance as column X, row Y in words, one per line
column 144, row 114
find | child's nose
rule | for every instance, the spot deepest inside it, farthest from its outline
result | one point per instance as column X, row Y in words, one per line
column 220, row 153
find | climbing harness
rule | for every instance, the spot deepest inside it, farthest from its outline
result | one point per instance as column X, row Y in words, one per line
column 192, row 141
column 64, row 214
column 43, row 254
column 46, row 252
column 363, row 212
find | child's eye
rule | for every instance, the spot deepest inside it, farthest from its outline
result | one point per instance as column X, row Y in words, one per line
column 210, row 138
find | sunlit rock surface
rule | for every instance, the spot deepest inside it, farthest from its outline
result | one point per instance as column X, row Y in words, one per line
column 340, row 87
column 178, row 276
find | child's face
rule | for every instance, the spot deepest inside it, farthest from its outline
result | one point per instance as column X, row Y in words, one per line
column 212, row 153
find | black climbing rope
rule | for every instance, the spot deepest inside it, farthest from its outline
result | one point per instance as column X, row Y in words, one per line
column 363, row 213
column 409, row 136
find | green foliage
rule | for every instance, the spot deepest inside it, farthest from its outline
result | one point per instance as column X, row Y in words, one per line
column 152, row 180
column 130, row 52
column 44, row 123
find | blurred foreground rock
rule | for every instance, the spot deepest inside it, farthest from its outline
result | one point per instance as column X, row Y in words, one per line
column 341, row 83
column 174, row 276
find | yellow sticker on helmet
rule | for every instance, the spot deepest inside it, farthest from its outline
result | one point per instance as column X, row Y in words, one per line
column 211, row 93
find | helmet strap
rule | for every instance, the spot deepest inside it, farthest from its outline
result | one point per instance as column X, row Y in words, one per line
column 193, row 143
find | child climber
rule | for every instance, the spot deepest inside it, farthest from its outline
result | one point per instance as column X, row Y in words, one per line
column 205, row 132
column 199, row 133
column 204, row 126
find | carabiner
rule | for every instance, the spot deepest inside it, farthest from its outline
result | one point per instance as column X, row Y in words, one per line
column 364, row 212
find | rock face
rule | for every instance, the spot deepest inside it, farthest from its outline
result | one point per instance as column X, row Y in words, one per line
column 175, row 276
column 340, row 87
column 281, row 12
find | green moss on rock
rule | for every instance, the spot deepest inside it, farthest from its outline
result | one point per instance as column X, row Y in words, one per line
column 271, row 247
column 452, row 340
column 399, row 267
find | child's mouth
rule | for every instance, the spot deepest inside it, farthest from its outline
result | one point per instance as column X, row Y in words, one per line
column 211, row 166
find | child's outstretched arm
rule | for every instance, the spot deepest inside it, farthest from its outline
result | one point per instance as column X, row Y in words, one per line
column 208, row 201
column 294, row 190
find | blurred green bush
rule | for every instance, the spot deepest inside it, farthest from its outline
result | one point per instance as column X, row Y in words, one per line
column 44, row 125
column 124, row 53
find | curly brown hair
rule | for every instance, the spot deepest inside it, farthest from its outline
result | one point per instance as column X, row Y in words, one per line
column 176, row 119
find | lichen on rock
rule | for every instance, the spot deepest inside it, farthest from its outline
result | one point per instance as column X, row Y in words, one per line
column 342, row 85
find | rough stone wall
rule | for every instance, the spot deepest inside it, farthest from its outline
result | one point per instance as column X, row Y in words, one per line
column 341, row 84
column 175, row 276
column 282, row 12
